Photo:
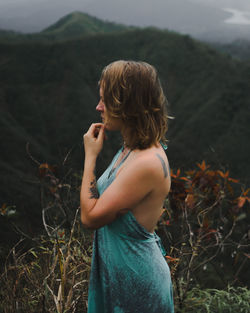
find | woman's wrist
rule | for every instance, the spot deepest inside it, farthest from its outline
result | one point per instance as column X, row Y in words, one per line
column 90, row 163
column 90, row 157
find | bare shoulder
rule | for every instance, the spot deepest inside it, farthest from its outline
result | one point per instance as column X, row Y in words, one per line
column 153, row 161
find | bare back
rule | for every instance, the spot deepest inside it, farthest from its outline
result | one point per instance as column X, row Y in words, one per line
column 148, row 211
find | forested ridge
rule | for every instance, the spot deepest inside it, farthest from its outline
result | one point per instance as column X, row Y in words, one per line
column 73, row 25
column 49, row 90
column 239, row 49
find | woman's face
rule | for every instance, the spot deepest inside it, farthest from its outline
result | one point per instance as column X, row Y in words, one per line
column 110, row 123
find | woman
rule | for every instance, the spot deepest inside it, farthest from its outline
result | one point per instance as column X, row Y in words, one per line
column 129, row 273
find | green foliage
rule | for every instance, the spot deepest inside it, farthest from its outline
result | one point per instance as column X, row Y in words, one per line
column 217, row 301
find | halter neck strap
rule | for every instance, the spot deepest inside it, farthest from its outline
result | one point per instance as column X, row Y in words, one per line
column 114, row 168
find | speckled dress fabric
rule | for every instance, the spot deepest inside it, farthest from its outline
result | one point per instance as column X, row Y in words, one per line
column 129, row 273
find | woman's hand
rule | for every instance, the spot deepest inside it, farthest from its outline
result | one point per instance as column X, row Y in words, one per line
column 93, row 139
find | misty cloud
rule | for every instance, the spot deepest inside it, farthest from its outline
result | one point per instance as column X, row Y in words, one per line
column 238, row 17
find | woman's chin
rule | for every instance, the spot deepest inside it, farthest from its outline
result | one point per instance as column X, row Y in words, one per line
column 106, row 126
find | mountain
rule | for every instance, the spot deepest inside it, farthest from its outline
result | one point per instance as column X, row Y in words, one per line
column 73, row 25
column 49, row 90
column 78, row 24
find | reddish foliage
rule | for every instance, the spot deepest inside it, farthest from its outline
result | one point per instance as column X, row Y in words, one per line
column 203, row 212
column 44, row 169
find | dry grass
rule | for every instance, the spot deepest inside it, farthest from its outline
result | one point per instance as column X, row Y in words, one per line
column 51, row 277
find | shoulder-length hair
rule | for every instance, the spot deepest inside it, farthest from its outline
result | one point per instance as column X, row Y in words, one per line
column 132, row 92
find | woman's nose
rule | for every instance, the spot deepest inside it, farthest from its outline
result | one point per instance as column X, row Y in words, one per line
column 100, row 107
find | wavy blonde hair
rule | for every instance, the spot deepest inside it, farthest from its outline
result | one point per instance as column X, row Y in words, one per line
column 132, row 92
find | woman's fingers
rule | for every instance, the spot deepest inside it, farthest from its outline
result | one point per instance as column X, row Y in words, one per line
column 93, row 139
column 98, row 132
column 94, row 129
column 102, row 135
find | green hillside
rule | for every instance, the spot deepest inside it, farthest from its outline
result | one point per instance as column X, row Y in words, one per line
column 78, row 24
column 239, row 49
column 10, row 35
column 48, row 94
column 73, row 25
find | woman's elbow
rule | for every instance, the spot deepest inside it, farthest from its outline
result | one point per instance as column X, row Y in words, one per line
column 87, row 223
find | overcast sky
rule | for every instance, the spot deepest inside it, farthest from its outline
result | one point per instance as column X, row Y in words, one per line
column 186, row 16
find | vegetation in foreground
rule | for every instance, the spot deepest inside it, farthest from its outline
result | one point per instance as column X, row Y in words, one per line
column 203, row 227
column 230, row 300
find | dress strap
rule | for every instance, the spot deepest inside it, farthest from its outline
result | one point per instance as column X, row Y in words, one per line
column 124, row 159
column 113, row 167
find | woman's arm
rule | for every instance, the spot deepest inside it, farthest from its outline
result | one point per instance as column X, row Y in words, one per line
column 128, row 189
column 93, row 142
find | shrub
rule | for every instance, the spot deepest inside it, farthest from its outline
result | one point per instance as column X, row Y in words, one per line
column 204, row 227
column 230, row 300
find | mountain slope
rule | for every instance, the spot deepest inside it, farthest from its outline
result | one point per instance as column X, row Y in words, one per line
column 78, row 24
column 239, row 49
column 73, row 25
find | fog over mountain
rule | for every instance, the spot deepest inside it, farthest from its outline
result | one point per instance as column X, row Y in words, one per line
column 223, row 20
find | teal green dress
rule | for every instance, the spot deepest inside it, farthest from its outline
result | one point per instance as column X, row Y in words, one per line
column 129, row 273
